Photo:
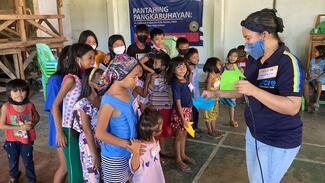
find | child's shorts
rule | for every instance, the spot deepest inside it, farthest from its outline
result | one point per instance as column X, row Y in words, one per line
column 176, row 122
column 166, row 129
column 230, row 102
column 212, row 115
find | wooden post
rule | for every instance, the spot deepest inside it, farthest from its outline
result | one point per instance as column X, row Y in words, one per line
column 21, row 66
column 21, row 24
column 16, row 63
column 60, row 23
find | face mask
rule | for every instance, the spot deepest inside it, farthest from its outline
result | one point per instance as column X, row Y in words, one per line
column 94, row 46
column 191, row 63
column 119, row 50
column 11, row 101
column 256, row 49
column 183, row 51
column 158, row 70
column 142, row 38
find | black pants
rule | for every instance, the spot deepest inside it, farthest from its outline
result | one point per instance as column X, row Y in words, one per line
column 16, row 149
column 195, row 116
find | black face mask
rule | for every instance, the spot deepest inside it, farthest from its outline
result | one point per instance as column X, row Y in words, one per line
column 142, row 38
column 190, row 63
column 11, row 101
column 158, row 70
column 183, row 51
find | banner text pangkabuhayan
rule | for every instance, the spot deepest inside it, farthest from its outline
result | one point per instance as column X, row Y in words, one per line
column 158, row 13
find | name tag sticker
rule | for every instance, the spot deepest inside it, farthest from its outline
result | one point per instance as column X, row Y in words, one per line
column 267, row 73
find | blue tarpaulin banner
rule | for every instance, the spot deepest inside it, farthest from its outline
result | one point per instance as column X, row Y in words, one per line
column 180, row 18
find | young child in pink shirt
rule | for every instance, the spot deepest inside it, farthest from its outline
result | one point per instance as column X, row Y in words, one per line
column 147, row 167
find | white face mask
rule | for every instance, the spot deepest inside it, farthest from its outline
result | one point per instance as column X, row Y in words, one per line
column 119, row 50
column 94, row 46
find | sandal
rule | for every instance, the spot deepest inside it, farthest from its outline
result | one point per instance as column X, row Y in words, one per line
column 234, row 124
column 217, row 134
column 189, row 161
column 316, row 105
column 183, row 167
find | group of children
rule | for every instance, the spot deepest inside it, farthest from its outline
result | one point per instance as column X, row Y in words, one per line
column 110, row 125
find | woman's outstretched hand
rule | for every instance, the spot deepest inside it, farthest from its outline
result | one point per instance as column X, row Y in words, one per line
column 246, row 88
column 207, row 94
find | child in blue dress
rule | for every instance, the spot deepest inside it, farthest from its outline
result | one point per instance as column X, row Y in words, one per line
column 117, row 120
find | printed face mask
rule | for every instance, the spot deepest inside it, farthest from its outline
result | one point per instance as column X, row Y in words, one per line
column 119, row 50
column 256, row 49
column 94, row 46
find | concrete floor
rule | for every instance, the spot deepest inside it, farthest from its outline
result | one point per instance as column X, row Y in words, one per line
column 221, row 161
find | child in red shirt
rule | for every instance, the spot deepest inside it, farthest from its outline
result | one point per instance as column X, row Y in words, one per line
column 18, row 120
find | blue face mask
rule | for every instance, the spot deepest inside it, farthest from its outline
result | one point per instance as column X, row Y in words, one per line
column 256, row 49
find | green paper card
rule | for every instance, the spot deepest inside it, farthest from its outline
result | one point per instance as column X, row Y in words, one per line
column 229, row 78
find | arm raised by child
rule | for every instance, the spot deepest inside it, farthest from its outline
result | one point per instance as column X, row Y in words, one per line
column 143, row 61
column 5, row 126
column 148, row 82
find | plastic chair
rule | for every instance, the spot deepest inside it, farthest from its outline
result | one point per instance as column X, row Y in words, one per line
column 47, row 63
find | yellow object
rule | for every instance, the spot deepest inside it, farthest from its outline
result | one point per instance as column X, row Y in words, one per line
column 212, row 115
column 190, row 129
column 99, row 58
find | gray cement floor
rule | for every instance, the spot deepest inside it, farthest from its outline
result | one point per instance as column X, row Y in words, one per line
column 221, row 161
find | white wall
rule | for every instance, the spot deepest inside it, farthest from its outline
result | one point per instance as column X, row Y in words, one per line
column 298, row 18
column 299, row 23
column 235, row 12
column 92, row 15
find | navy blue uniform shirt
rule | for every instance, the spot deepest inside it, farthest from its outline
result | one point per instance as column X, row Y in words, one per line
column 182, row 92
column 281, row 74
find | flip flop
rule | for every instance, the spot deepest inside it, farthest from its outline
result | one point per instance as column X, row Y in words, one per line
column 183, row 167
column 190, row 161
column 234, row 124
